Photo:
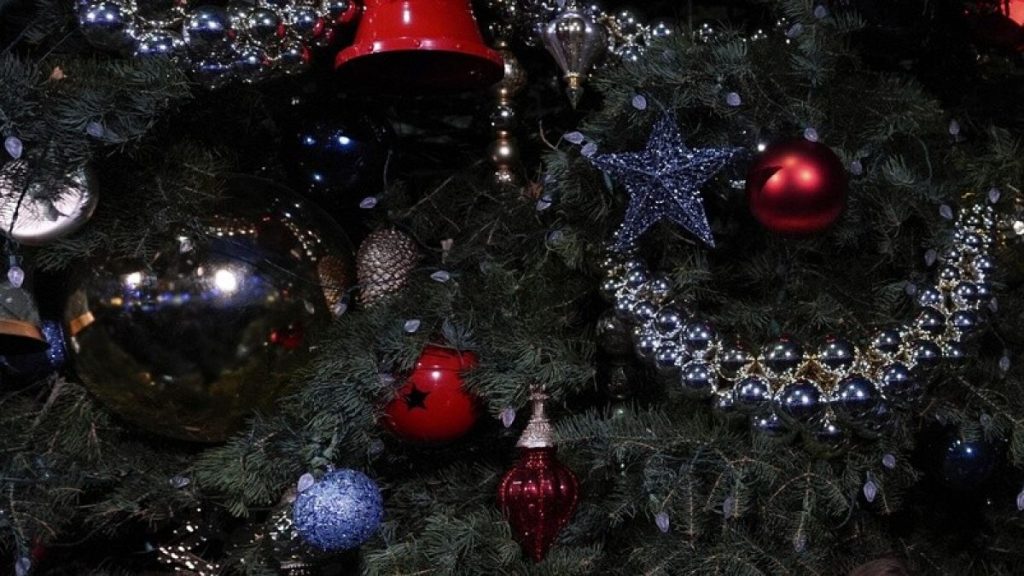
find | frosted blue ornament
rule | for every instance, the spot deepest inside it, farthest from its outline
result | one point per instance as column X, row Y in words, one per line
column 340, row 512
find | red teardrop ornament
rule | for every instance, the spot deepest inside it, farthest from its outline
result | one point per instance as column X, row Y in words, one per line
column 538, row 496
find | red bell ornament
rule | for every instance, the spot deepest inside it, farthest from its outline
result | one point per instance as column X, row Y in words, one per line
column 538, row 496
column 433, row 405
column 419, row 44
column 797, row 187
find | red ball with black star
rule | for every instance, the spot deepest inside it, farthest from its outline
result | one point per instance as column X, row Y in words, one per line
column 433, row 405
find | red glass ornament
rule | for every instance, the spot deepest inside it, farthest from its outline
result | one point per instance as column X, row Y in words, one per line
column 290, row 337
column 797, row 187
column 538, row 496
column 433, row 405
column 419, row 44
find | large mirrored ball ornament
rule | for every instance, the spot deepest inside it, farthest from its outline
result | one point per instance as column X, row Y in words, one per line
column 213, row 328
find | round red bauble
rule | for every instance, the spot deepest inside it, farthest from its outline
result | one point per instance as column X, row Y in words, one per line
column 797, row 187
column 433, row 405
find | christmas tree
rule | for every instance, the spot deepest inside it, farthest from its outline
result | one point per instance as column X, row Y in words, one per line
column 393, row 288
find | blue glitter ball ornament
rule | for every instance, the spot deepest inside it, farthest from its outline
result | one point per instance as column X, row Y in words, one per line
column 340, row 512
column 37, row 364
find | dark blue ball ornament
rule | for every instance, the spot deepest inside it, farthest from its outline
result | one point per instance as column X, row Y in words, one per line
column 340, row 512
column 39, row 364
column 339, row 156
column 967, row 464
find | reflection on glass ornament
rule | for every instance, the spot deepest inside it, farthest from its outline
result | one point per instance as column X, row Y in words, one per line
column 37, row 211
column 190, row 343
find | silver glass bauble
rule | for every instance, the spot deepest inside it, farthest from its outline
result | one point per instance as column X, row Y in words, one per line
column 983, row 265
column 930, row 296
column 965, row 294
column 623, row 307
column 782, row 357
column 669, row 322
column 304, row 22
column 887, row 342
column 734, row 359
column 659, row 289
column 802, row 401
column 966, row 322
column 699, row 336
column 165, row 43
column 263, row 25
column 251, row 62
column 898, row 382
column 752, row 393
column 107, row 24
column 647, row 345
column 668, row 358
column 698, row 377
column 926, row 354
column 930, row 320
column 983, row 291
column 636, row 277
column 190, row 343
column 208, row 31
column 855, row 397
column 576, row 42
column 644, row 310
column 837, row 355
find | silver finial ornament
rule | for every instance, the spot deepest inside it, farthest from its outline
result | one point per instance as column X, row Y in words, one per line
column 577, row 42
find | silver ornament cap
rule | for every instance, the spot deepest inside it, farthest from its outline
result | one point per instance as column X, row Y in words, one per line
column 538, row 433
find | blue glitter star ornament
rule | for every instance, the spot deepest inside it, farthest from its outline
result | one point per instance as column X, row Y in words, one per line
column 340, row 512
column 663, row 181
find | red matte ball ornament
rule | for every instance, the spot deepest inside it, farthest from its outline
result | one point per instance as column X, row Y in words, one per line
column 538, row 496
column 433, row 405
column 797, row 187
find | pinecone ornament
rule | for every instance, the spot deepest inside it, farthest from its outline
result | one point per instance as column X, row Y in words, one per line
column 386, row 259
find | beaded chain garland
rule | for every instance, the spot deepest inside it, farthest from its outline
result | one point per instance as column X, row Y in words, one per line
column 838, row 389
